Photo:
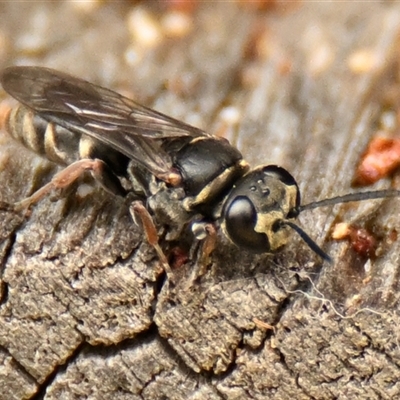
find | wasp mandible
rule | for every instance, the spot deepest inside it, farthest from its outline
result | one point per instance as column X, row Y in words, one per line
column 181, row 177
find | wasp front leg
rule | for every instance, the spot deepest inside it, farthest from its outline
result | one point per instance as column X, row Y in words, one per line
column 98, row 168
column 206, row 236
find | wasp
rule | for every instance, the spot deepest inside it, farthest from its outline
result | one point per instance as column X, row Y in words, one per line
column 181, row 178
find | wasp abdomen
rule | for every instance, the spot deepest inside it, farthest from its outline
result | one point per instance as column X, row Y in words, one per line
column 57, row 143
column 44, row 138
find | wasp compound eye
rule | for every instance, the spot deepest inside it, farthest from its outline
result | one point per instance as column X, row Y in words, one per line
column 240, row 221
column 257, row 205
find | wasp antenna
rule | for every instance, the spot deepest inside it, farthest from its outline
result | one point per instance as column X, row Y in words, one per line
column 310, row 243
column 347, row 198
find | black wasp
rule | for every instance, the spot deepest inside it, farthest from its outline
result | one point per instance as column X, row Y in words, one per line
column 187, row 179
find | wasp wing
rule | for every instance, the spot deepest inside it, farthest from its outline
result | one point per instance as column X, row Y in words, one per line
column 128, row 127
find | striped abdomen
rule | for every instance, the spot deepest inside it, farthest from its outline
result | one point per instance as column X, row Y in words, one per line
column 44, row 138
column 57, row 143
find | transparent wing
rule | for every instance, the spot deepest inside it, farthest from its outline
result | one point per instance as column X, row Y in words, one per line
column 128, row 127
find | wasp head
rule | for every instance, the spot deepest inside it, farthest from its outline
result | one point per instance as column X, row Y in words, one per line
column 257, row 210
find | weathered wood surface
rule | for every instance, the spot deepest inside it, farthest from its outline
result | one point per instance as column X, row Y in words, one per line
column 83, row 312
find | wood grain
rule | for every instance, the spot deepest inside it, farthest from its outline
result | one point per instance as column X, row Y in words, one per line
column 84, row 310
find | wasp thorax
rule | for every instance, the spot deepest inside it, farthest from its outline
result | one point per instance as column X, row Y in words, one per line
column 255, row 211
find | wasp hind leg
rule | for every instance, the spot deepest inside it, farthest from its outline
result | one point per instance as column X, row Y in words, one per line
column 100, row 171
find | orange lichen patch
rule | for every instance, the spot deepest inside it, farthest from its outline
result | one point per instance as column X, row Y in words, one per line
column 362, row 241
column 381, row 158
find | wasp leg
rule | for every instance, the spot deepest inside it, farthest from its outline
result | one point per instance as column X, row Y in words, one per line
column 99, row 169
column 137, row 209
column 206, row 234
column 207, row 247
